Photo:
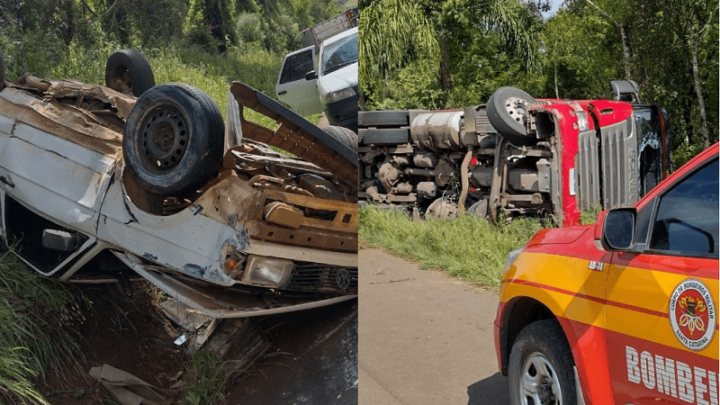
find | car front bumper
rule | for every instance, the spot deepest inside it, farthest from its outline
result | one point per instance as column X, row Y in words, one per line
column 343, row 113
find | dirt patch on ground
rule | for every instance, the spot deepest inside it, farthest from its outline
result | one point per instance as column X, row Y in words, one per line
column 127, row 331
column 313, row 356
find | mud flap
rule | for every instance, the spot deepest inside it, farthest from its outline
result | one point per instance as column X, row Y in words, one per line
column 219, row 302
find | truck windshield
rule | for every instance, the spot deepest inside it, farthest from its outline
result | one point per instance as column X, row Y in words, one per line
column 339, row 54
column 650, row 148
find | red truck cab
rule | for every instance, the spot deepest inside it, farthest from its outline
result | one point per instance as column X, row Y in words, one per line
column 621, row 312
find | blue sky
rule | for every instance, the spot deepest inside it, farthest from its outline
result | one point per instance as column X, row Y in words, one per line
column 555, row 4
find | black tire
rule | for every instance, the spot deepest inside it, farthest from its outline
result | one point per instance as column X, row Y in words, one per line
column 507, row 111
column 346, row 136
column 173, row 140
column 127, row 71
column 383, row 118
column 386, row 136
column 2, row 70
column 542, row 343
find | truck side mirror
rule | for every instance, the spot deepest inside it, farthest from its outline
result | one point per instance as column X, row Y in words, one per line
column 311, row 75
column 618, row 229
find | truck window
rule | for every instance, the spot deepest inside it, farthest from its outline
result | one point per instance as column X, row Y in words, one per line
column 650, row 153
column 339, row 54
column 296, row 66
column 687, row 215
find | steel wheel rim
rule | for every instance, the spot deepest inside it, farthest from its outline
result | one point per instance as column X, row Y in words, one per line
column 164, row 139
column 539, row 383
column 516, row 108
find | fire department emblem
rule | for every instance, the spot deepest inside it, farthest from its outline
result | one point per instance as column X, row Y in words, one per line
column 692, row 314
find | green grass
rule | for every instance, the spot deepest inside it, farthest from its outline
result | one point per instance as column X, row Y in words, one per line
column 191, row 64
column 589, row 216
column 34, row 316
column 206, row 379
column 466, row 247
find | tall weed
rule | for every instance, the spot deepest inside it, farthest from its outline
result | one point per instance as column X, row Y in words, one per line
column 34, row 316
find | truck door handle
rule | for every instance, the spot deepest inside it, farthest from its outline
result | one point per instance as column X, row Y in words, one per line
column 7, row 181
column 280, row 93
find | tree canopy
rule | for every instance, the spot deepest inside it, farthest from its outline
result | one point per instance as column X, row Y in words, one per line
column 447, row 54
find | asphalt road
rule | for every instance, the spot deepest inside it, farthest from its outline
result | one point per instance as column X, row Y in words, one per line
column 424, row 338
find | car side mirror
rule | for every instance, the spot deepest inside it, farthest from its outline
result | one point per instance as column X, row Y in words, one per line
column 618, row 229
column 311, row 75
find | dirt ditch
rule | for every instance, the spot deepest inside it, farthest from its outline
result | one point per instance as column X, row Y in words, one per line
column 312, row 355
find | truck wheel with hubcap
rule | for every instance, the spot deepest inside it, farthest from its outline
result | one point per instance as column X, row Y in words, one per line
column 540, row 370
column 127, row 71
column 173, row 139
column 507, row 112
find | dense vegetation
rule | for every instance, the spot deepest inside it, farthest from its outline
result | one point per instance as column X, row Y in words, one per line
column 445, row 54
column 205, row 43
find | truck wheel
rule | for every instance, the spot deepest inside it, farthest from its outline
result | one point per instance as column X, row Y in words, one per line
column 383, row 118
column 540, row 370
column 2, row 70
column 127, row 71
column 480, row 209
column 442, row 208
column 507, row 112
column 173, row 139
column 346, row 136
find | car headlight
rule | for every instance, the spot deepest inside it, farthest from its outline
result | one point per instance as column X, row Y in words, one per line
column 511, row 257
column 267, row 271
column 340, row 95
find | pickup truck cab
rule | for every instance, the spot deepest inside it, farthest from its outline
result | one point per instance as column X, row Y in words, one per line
column 328, row 84
column 621, row 312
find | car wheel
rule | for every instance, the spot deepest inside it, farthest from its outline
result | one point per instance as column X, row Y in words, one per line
column 507, row 112
column 127, row 71
column 173, row 139
column 2, row 70
column 346, row 136
column 540, row 370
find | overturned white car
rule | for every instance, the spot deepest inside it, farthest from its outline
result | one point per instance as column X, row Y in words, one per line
column 94, row 181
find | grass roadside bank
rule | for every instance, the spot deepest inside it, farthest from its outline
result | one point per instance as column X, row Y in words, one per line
column 466, row 247
column 35, row 313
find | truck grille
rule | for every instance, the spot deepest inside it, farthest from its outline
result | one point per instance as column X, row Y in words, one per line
column 320, row 277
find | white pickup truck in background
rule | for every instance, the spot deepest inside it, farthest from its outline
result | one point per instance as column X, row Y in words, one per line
column 329, row 83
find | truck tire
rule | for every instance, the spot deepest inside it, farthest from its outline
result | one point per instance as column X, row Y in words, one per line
column 173, row 139
column 507, row 111
column 346, row 136
column 386, row 136
column 541, row 366
column 2, row 70
column 383, row 118
column 127, row 71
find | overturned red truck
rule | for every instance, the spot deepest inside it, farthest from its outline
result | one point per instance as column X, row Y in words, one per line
column 516, row 154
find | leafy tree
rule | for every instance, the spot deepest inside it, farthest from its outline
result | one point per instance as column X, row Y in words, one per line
column 209, row 20
column 395, row 34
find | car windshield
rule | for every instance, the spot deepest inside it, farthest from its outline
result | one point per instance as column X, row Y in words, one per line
column 339, row 54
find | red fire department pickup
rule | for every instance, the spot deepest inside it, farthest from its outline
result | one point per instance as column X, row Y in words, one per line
column 621, row 312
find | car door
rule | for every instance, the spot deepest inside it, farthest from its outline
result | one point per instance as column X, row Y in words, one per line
column 661, row 303
column 293, row 88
